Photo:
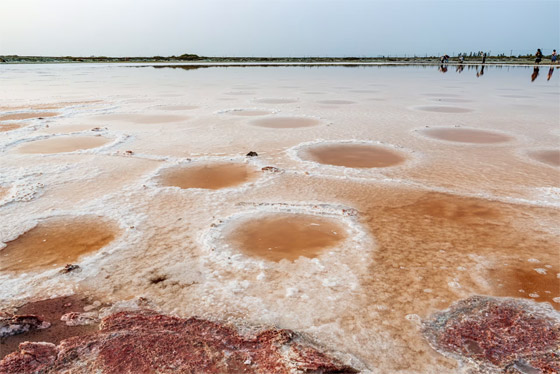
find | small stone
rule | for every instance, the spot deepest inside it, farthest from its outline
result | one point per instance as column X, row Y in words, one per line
column 70, row 268
column 15, row 325
column 271, row 169
column 252, row 154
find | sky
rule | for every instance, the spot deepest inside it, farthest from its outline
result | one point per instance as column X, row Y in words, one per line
column 273, row 28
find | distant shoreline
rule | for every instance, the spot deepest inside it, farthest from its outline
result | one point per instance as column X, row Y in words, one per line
column 270, row 61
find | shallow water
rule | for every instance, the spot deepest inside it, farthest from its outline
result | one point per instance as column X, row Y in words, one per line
column 212, row 176
column 285, row 122
column 9, row 126
column 288, row 236
column 466, row 135
column 26, row 115
column 550, row 157
column 472, row 209
column 353, row 155
column 56, row 242
column 63, row 144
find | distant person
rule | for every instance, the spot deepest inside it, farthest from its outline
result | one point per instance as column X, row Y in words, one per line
column 535, row 74
column 444, row 59
column 538, row 56
column 483, row 57
column 461, row 59
column 550, row 71
column 554, row 56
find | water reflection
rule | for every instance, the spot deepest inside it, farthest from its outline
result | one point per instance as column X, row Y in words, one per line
column 481, row 72
column 550, row 71
column 535, row 73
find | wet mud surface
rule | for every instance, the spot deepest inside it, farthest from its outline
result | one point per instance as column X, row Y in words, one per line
column 50, row 311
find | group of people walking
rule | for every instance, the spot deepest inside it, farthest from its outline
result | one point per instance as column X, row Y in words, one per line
column 539, row 56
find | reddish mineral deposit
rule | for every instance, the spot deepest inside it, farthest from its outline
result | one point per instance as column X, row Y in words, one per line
column 146, row 342
column 500, row 335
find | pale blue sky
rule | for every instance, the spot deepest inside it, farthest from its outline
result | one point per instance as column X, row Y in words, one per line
column 276, row 27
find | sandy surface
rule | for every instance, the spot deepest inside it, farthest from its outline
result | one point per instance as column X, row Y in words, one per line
column 456, row 218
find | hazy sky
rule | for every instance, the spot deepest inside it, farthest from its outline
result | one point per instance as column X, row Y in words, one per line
column 276, row 27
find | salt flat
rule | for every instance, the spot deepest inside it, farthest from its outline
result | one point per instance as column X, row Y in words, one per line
column 463, row 200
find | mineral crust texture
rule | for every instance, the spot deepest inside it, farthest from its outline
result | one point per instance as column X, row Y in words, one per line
column 146, row 342
column 498, row 335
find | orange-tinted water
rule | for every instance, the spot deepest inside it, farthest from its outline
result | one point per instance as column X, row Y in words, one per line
column 20, row 116
column 461, row 135
column 63, row 144
column 285, row 122
column 9, row 126
column 353, row 155
column 286, row 236
column 56, row 242
column 550, row 157
column 211, row 176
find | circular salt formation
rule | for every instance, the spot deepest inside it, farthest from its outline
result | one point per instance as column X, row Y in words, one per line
column 443, row 109
column 276, row 101
column 56, row 242
column 336, row 102
column 63, row 144
column 461, row 135
column 285, row 122
column 212, row 176
column 549, row 156
column 248, row 113
column 275, row 237
column 352, row 155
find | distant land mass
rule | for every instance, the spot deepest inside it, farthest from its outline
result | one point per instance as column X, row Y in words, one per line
column 468, row 59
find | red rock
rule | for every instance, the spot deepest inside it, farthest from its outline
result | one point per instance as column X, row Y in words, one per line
column 506, row 335
column 32, row 358
column 146, row 342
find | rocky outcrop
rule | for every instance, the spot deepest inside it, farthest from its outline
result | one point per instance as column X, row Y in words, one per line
column 19, row 324
column 147, row 342
column 499, row 335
